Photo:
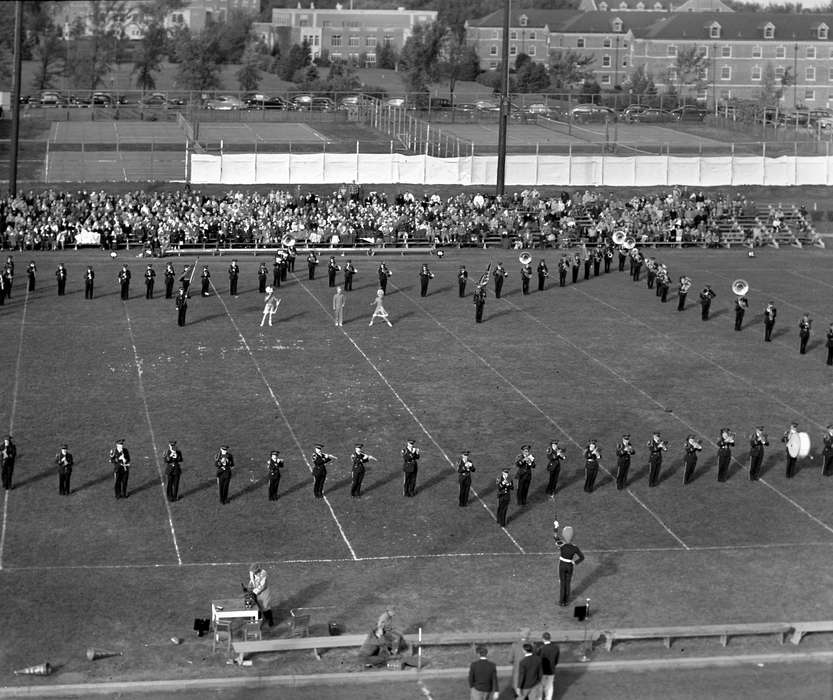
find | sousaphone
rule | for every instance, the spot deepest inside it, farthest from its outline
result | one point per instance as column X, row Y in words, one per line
column 740, row 287
column 288, row 240
column 524, row 258
column 629, row 243
column 619, row 237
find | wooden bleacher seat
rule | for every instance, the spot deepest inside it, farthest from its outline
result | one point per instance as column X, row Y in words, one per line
column 802, row 628
column 668, row 634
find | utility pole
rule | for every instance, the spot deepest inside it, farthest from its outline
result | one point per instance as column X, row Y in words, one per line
column 15, row 106
column 503, row 124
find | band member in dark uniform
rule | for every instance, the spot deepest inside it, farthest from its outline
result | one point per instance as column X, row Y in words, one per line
column 8, row 275
column 185, row 280
column 479, row 303
column 332, row 268
column 830, row 344
column 650, row 272
column 349, row 273
column 596, row 256
column 827, row 452
column 724, row 453
column 425, row 276
column 462, row 278
column 555, row 455
column 569, row 556
column 756, row 452
column 181, row 303
column 563, row 267
column 31, row 269
column 120, row 458
column 656, row 446
column 464, row 471
column 64, row 462
column 770, row 312
column 588, row 261
column 526, row 276
column 223, row 466
column 637, row 264
column 624, row 452
column 741, row 305
column 2, row 290
column 284, row 266
column 504, row 496
column 290, row 258
column 170, row 278
column 706, row 297
column 359, row 459
column 623, row 257
column 233, row 276
column 804, row 326
column 61, row 276
column 205, row 280
column 500, row 275
column 576, row 267
column 173, row 471
column 692, row 447
column 592, row 455
column 524, row 463
column 262, row 274
column 276, row 270
column 663, row 283
column 312, row 263
column 150, row 281
column 384, row 273
column 89, row 282
column 785, row 438
column 685, row 285
column 608, row 257
column 320, row 459
column 124, row 282
column 410, row 467
column 273, row 470
column 8, row 455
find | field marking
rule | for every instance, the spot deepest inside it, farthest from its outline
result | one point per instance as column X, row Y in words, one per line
column 283, row 414
column 549, row 419
column 812, row 279
column 143, row 396
column 732, row 374
column 408, row 409
column 692, row 549
column 12, row 414
column 317, row 134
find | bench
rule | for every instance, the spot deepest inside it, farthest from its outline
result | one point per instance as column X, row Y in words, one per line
column 667, row 634
column 802, row 628
column 314, row 644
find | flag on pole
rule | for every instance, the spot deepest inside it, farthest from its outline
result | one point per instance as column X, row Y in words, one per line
column 484, row 278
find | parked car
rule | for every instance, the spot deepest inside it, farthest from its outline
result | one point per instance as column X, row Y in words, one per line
column 395, row 102
column 538, row 109
column 440, row 104
column 225, row 103
column 592, row 113
column 654, row 115
column 817, row 116
column 322, row 104
column 486, row 106
column 631, row 111
column 258, row 101
column 51, row 98
column 158, row 99
column 689, row 113
column 797, row 118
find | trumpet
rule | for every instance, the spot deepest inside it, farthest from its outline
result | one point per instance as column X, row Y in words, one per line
column 685, row 284
column 524, row 258
column 662, row 444
column 693, row 442
column 594, row 452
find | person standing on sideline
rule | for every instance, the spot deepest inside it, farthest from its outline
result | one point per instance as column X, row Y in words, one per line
column 150, row 281
column 64, row 462
column 124, row 282
column 181, row 303
column 555, row 455
column 410, row 466
column 120, row 459
column 529, row 675
column 569, row 557
column 320, row 459
column 516, row 655
column 233, row 275
column 379, row 311
column 8, row 454
column 724, row 453
column 524, row 463
column 61, row 276
column 30, row 274
column 770, row 312
column 549, row 653
column 756, row 452
column 259, row 585
column 462, row 278
column 173, row 471
column 479, row 303
column 223, row 465
column 505, row 485
column 170, row 278
column 89, row 282
column 464, row 472
column 273, row 469
column 804, row 326
column 339, row 299
column 483, row 683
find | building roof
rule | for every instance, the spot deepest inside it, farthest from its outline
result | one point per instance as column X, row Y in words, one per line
column 738, row 26
column 654, row 5
column 534, row 18
column 602, row 22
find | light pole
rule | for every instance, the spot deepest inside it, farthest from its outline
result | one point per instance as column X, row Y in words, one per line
column 795, row 74
column 714, row 77
column 503, row 123
column 616, row 64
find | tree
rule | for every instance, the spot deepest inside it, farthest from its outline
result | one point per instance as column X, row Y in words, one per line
column 530, row 76
column 641, row 82
column 386, row 56
column 771, row 91
column 148, row 57
column 198, row 68
column 569, row 68
column 457, row 60
column 690, row 68
column 230, row 38
column 419, row 60
column 48, row 55
column 248, row 75
column 298, row 57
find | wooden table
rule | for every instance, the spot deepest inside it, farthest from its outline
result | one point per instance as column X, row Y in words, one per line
column 233, row 609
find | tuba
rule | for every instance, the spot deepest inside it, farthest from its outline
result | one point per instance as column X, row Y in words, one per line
column 524, row 258
column 630, row 243
column 288, row 240
column 619, row 237
column 740, row 287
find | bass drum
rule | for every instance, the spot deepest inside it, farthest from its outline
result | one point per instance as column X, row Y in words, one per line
column 798, row 446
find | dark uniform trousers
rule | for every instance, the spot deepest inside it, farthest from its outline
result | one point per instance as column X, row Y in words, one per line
column 724, row 458
column 465, row 488
column 498, row 286
column 554, row 469
column 756, row 458
column 690, row 461
column 356, row 483
column 681, row 301
column 409, row 481
column 120, row 476
column 623, row 465
column 274, row 483
column 64, row 476
column 172, row 475
column 524, row 481
column 169, row 286
column 565, row 577
column 654, row 467
column 223, row 483
column 319, row 476
column 591, row 471
column 503, row 500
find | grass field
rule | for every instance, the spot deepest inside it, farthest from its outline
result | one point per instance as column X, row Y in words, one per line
column 590, row 361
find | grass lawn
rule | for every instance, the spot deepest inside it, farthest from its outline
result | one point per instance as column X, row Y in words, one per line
column 592, row 360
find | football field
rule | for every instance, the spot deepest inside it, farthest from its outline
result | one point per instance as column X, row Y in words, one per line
column 590, row 361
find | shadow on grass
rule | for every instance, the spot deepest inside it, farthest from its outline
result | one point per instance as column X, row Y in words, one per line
column 291, row 316
column 338, row 485
column 606, row 567
column 250, row 487
column 36, row 477
column 391, row 476
column 204, row 319
column 293, row 489
column 441, row 290
column 434, row 480
column 93, row 482
column 201, row 486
